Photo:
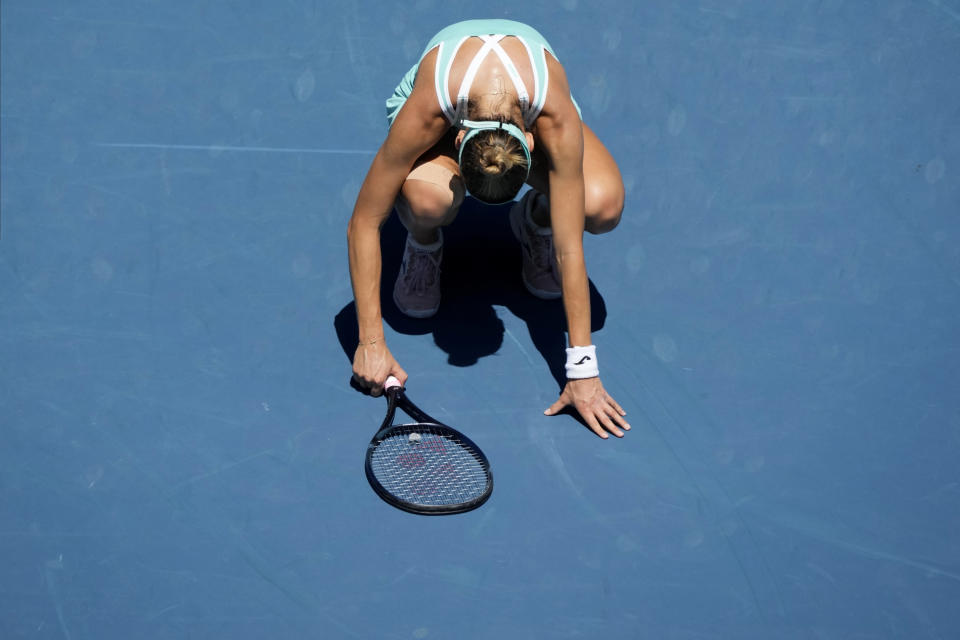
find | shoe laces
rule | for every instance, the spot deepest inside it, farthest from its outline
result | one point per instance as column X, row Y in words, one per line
column 421, row 269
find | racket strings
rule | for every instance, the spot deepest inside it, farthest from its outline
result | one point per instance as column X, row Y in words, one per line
column 428, row 466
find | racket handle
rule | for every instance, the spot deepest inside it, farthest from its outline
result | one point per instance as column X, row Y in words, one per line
column 391, row 383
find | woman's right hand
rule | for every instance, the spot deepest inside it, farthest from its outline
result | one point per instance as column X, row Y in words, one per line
column 373, row 364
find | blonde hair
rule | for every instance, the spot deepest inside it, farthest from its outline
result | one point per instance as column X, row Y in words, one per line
column 500, row 154
column 493, row 166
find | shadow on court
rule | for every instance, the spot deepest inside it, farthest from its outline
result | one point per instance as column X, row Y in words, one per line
column 481, row 270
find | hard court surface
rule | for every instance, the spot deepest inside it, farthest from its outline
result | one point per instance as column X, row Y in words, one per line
column 180, row 449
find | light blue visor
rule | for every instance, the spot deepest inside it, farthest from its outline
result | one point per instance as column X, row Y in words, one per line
column 473, row 127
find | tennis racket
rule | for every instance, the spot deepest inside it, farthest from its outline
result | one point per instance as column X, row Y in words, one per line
column 425, row 467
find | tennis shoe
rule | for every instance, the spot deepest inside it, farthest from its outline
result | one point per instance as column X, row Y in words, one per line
column 540, row 274
column 417, row 289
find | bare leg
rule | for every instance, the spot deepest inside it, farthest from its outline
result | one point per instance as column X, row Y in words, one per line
column 604, row 193
column 432, row 194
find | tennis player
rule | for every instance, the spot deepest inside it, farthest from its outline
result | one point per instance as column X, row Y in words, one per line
column 485, row 110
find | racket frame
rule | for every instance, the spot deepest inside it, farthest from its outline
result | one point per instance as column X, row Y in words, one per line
column 396, row 398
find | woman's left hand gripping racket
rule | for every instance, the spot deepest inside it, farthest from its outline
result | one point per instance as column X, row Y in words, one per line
column 425, row 467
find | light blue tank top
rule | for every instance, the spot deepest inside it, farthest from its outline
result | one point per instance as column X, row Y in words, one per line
column 448, row 43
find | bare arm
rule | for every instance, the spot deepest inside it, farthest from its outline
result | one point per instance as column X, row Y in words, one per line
column 419, row 125
column 561, row 136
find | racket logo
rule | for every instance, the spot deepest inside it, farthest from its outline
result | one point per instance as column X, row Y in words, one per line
column 446, row 470
column 411, row 460
column 426, row 467
column 434, row 445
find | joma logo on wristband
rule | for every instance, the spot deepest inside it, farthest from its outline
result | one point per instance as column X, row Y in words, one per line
column 582, row 362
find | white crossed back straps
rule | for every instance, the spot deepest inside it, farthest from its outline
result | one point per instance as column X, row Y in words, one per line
column 492, row 43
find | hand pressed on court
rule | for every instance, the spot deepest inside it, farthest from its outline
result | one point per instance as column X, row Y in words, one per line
column 373, row 363
column 599, row 410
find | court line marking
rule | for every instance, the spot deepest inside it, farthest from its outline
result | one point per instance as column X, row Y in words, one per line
column 946, row 9
column 229, row 148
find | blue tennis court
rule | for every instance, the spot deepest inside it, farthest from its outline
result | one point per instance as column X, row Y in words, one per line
column 181, row 450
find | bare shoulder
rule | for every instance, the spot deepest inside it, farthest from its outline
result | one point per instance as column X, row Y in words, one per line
column 422, row 106
column 559, row 115
column 420, row 123
column 426, row 72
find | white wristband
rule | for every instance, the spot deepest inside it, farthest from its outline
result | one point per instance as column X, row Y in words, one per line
column 582, row 363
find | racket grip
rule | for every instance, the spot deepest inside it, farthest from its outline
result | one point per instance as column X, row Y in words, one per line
column 391, row 383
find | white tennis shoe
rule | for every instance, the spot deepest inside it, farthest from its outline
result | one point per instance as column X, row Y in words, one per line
column 417, row 289
column 540, row 274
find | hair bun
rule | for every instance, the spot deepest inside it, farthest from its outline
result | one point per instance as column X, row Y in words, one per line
column 490, row 163
column 496, row 161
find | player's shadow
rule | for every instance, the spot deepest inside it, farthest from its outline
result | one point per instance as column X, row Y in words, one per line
column 481, row 268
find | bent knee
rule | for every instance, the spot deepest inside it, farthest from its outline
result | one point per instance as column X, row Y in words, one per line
column 428, row 202
column 604, row 208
